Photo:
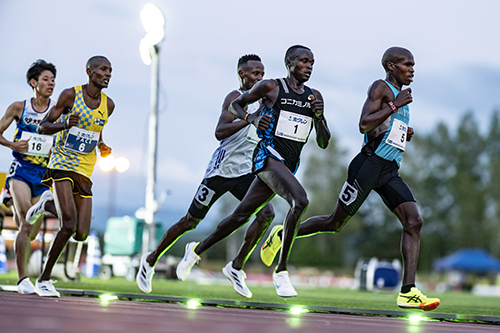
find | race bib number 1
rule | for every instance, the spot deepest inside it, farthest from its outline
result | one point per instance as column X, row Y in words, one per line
column 81, row 141
column 293, row 126
column 397, row 135
column 38, row 144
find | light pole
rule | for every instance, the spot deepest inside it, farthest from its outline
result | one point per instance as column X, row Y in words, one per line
column 110, row 164
column 153, row 22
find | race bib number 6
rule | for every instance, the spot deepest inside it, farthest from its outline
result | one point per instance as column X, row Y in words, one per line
column 81, row 141
column 293, row 126
column 38, row 144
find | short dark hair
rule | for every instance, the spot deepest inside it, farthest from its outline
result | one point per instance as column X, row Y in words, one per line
column 37, row 68
column 393, row 54
column 246, row 58
column 93, row 60
column 291, row 51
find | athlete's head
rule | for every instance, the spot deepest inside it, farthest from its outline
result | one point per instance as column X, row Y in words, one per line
column 250, row 71
column 299, row 61
column 99, row 71
column 398, row 63
column 36, row 70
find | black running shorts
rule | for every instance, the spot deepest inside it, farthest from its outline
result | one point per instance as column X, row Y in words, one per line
column 371, row 172
column 211, row 189
column 82, row 185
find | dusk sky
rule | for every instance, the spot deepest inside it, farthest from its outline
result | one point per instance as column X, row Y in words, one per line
column 454, row 43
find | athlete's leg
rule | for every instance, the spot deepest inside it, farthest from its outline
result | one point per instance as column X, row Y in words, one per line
column 21, row 194
column 84, row 219
column 185, row 224
column 324, row 223
column 258, row 195
column 410, row 239
column 277, row 176
column 253, row 235
column 68, row 215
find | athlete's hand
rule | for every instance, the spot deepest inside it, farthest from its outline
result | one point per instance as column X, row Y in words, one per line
column 261, row 122
column 317, row 107
column 403, row 98
column 20, row 146
column 72, row 120
column 105, row 150
column 409, row 134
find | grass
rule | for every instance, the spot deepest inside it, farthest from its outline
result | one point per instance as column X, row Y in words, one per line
column 460, row 303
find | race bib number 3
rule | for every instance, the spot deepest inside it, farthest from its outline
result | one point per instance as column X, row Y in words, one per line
column 397, row 135
column 38, row 144
column 81, row 141
column 293, row 126
column 204, row 195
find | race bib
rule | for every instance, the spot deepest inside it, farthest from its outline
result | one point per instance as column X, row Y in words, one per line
column 81, row 141
column 293, row 126
column 397, row 135
column 252, row 135
column 38, row 144
column 204, row 195
column 348, row 194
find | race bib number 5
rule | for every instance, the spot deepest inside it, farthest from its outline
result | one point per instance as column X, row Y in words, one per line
column 397, row 135
column 38, row 144
column 81, row 141
column 348, row 194
column 293, row 126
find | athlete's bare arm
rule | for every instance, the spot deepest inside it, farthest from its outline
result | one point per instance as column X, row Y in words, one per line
column 226, row 125
column 104, row 149
column 64, row 104
column 322, row 132
column 13, row 113
column 267, row 90
column 376, row 108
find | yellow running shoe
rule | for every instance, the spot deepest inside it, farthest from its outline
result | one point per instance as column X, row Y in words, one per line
column 271, row 246
column 415, row 299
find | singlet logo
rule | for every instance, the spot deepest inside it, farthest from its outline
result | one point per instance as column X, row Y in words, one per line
column 31, row 121
column 297, row 120
column 98, row 122
column 294, row 102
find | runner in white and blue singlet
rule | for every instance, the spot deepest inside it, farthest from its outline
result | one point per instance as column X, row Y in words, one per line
column 30, row 151
column 229, row 170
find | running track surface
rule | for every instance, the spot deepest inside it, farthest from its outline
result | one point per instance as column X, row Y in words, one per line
column 34, row 314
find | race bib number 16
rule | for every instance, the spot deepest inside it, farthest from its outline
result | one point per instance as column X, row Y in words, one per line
column 81, row 141
column 38, row 144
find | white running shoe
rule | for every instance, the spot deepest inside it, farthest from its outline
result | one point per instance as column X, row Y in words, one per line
column 145, row 275
column 186, row 264
column 25, row 287
column 46, row 288
column 283, row 285
column 237, row 278
column 38, row 209
column 5, row 196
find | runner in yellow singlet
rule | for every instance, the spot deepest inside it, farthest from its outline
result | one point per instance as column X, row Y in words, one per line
column 82, row 112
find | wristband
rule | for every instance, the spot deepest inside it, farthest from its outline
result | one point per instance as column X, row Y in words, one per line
column 66, row 124
column 99, row 144
column 393, row 107
column 246, row 116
